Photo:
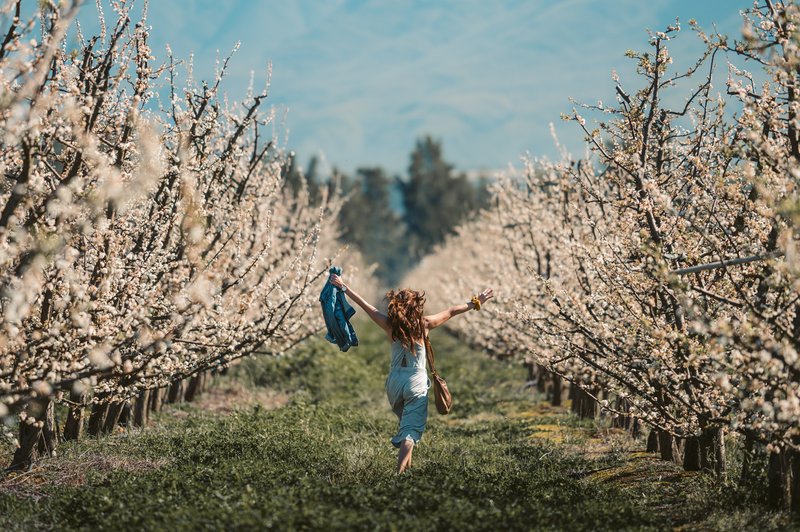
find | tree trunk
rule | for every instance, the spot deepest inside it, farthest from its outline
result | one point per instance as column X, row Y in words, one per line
column 155, row 399
column 779, row 485
column 665, row 443
column 48, row 441
column 578, row 398
column 712, row 450
column 26, row 453
column 97, row 417
column 720, row 458
column 794, row 471
column 73, row 428
column 175, row 394
column 531, row 369
column 30, row 434
column 586, row 404
column 571, row 396
column 141, row 409
column 112, row 417
column 706, row 451
column 540, row 376
column 677, row 449
column 625, row 420
column 747, row 460
column 784, row 480
column 635, row 427
column 556, row 390
column 652, row 441
column 125, row 414
column 691, row 454
column 192, row 389
column 621, row 421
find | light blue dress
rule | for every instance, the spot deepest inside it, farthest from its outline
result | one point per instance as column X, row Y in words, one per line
column 407, row 389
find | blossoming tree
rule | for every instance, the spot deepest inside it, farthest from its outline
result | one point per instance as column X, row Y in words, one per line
column 145, row 237
column 660, row 277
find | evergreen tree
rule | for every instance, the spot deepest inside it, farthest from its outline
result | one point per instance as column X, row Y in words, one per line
column 369, row 223
column 435, row 200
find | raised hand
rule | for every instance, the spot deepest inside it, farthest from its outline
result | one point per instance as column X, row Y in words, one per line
column 486, row 295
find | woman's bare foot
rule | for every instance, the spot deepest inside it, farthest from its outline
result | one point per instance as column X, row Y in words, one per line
column 404, row 455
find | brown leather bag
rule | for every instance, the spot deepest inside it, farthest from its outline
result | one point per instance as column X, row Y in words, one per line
column 444, row 401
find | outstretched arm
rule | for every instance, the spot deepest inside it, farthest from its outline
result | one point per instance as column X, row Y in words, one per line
column 377, row 316
column 435, row 320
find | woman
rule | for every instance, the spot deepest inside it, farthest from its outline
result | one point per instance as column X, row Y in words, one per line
column 407, row 384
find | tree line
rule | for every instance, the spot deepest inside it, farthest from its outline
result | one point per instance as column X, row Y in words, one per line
column 395, row 221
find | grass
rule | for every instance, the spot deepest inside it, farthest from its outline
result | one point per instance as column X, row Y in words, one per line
column 320, row 458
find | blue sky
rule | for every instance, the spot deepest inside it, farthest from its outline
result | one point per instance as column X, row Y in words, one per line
column 361, row 79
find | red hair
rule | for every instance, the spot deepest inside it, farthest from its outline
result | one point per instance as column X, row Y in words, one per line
column 405, row 314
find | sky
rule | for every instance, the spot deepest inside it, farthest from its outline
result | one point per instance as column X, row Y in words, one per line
column 359, row 81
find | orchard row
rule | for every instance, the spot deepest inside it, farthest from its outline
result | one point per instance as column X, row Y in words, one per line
column 146, row 232
column 661, row 276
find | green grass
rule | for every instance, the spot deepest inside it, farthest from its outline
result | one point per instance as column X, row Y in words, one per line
column 324, row 461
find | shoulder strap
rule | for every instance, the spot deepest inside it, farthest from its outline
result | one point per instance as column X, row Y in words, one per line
column 428, row 348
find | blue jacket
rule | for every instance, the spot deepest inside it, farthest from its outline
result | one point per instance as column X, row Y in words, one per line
column 337, row 312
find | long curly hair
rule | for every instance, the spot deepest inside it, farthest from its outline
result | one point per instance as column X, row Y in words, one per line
column 406, row 309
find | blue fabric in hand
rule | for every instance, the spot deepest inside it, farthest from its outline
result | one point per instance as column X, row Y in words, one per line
column 337, row 312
